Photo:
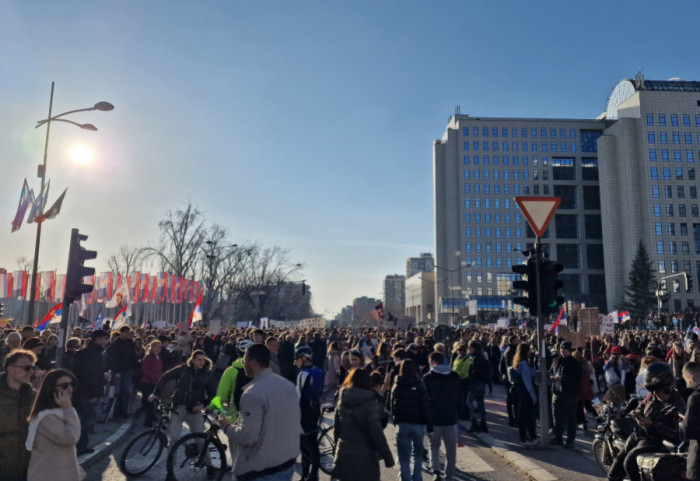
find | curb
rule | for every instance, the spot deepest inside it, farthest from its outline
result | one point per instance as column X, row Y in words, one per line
column 102, row 449
column 514, row 458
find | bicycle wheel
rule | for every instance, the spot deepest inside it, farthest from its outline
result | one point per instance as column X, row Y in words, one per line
column 326, row 449
column 195, row 456
column 142, row 453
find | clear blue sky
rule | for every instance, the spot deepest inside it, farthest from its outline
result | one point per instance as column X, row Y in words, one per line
column 307, row 125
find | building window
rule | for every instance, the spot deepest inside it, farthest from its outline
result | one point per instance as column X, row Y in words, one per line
column 659, row 247
column 679, row 173
column 658, row 228
column 514, row 132
column 651, row 137
column 677, row 155
column 657, row 210
column 485, row 146
column 494, row 132
column 672, row 248
column 680, row 192
column 664, row 155
column 543, row 133
column 685, row 248
column 691, row 173
column 544, row 146
column 688, row 138
column 694, row 210
column 676, row 137
column 563, row 168
column 533, row 133
column 667, row 173
column 686, row 120
column 591, row 197
column 594, row 227
column 662, row 119
column 689, row 156
column 569, row 256
column 594, row 253
column 504, row 132
column 523, row 132
column 566, row 226
column 572, row 283
column 669, row 210
column 662, row 267
column 674, row 120
column 650, row 120
column 693, row 192
column 655, row 191
column 652, row 155
column 654, row 173
column 668, row 192
column 671, row 228
column 568, row 196
column 466, row 145
column 485, row 132
column 664, row 137
column 684, row 229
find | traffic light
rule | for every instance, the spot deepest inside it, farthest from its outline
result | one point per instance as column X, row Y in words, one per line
column 551, row 300
column 688, row 282
column 76, row 268
column 529, row 285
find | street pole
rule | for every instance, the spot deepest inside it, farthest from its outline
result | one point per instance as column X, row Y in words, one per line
column 542, row 343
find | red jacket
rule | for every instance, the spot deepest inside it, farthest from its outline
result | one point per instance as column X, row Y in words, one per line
column 151, row 369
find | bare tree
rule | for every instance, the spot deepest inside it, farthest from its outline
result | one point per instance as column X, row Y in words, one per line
column 25, row 264
column 127, row 261
column 182, row 235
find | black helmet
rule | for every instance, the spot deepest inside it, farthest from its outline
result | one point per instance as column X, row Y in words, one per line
column 303, row 351
column 659, row 375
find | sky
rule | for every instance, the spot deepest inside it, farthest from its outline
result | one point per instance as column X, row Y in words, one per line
column 307, row 125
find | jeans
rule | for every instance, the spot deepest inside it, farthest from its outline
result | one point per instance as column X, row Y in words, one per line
column 87, row 413
column 564, row 410
column 123, row 388
column 475, row 400
column 448, row 435
column 285, row 475
column 410, row 436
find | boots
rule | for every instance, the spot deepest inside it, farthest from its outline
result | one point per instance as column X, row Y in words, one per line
column 474, row 428
column 483, row 427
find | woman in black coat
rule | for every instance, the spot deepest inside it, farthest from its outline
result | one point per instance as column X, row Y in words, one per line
column 360, row 440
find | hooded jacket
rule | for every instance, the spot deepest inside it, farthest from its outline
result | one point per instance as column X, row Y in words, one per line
column 442, row 385
column 360, row 438
column 193, row 386
column 15, row 407
column 409, row 402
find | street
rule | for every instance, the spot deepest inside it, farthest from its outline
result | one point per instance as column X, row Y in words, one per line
column 495, row 456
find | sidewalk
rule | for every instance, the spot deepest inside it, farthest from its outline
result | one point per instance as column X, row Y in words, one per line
column 549, row 464
column 103, row 438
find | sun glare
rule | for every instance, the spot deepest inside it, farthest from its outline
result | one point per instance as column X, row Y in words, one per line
column 80, row 154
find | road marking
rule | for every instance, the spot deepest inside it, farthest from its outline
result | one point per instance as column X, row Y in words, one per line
column 470, row 462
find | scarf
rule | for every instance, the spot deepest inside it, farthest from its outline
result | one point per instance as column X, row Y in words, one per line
column 34, row 425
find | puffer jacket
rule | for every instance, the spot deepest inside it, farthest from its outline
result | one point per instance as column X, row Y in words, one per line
column 193, row 386
column 360, row 438
column 15, row 407
column 442, row 384
column 409, row 402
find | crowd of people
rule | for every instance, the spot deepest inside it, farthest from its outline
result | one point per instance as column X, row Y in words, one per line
column 271, row 385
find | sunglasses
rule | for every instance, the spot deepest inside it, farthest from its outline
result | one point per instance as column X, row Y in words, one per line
column 29, row 367
column 66, row 385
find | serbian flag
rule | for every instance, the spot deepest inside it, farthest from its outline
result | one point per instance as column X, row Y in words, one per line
column 54, row 315
column 559, row 318
column 624, row 316
column 378, row 312
column 196, row 313
column 120, row 318
column 99, row 321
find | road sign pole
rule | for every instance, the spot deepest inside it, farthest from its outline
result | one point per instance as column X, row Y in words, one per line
column 542, row 343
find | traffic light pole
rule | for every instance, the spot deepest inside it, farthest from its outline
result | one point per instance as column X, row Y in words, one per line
column 542, row 350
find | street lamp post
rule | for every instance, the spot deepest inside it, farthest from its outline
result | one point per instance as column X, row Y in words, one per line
column 450, row 286
column 41, row 173
column 213, row 259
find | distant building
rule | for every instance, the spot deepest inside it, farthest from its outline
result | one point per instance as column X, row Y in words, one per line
column 394, row 295
column 424, row 263
column 361, row 308
column 420, row 297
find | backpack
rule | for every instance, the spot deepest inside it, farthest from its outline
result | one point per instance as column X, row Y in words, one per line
column 241, row 381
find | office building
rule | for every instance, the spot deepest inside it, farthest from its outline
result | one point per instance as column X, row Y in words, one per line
column 424, row 263
column 394, row 295
column 420, row 297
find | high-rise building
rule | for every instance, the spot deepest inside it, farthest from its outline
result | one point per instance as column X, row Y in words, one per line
column 362, row 308
column 424, row 263
column 420, row 297
column 648, row 184
column 394, row 295
column 480, row 165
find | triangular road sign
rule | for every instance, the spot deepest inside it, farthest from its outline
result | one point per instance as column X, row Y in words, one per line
column 538, row 211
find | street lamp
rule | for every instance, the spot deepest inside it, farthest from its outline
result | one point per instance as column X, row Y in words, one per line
column 41, row 173
column 211, row 255
column 450, row 284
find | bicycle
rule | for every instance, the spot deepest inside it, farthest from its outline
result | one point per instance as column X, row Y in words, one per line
column 326, row 443
column 197, row 454
column 144, row 451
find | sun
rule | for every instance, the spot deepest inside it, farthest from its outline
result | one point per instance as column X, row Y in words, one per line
column 81, row 154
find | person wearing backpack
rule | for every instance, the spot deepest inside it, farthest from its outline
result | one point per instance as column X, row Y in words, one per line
column 310, row 389
column 522, row 377
column 232, row 382
column 479, row 377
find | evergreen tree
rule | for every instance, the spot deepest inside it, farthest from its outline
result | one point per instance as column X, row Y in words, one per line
column 640, row 291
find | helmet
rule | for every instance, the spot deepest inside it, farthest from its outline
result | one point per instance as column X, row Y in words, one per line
column 243, row 345
column 658, row 375
column 303, row 351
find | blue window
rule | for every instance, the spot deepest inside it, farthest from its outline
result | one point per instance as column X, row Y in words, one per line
column 465, row 131
column 676, row 137
column 686, row 120
column 544, row 147
column 477, row 203
column 672, row 228
column 689, row 156
column 504, row 132
column 651, row 137
column 477, row 188
column 688, row 138
column 494, row 132
column 466, row 160
column 488, row 259
column 477, row 232
column 497, row 201
column 655, row 191
column 514, row 132
column 523, row 131
column 475, row 146
column 467, row 202
column 468, row 247
column 496, row 189
column 466, row 174
column 669, row 210
column 467, row 188
column 553, row 133
column 654, row 173
column 664, row 155
column 497, row 218
column 572, row 133
column 658, row 229
column 477, row 217
column 516, row 160
column 504, row 146
column 553, row 147
column 495, row 175
column 486, row 160
column 505, row 160
column 506, row 202
column 487, row 188
column 516, row 190
column 517, row 218
column 662, row 119
column 667, row 173
column 697, row 120
column 677, row 155
column 487, row 203
column 526, row 175
column 674, row 120
column 543, row 133
column 652, row 155
column 476, row 160
column 476, row 174
column 589, row 140
column 533, row 133
column 494, row 146
column 657, row 210
column 525, row 146
column 487, row 218
column 563, row 146
column 475, row 131
column 468, row 217
column 659, row 247
column 506, row 189
column 518, row 233
column 679, row 173
column 466, row 145
column 650, row 120
column 573, row 147
column 485, row 132
column 499, row 261
column 525, row 160
column 562, row 133
column 477, row 247
column 485, row 145
column 534, row 147
column 664, row 137
column 468, row 232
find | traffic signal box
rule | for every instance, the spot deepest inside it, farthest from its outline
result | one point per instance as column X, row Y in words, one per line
column 551, row 300
column 528, row 286
column 76, row 269
column 688, row 282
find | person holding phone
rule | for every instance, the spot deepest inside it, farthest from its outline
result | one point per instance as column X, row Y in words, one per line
column 54, row 430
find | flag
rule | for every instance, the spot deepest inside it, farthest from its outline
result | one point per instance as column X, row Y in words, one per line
column 119, row 319
column 38, row 205
column 25, row 198
column 54, row 210
column 378, row 312
column 559, row 318
column 99, row 321
column 121, row 296
column 624, row 316
column 196, row 313
column 54, row 315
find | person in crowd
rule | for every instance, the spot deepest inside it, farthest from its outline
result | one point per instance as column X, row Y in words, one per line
column 657, row 419
column 357, row 359
column 345, row 367
column 167, row 357
column 266, row 435
column 310, row 388
column 286, row 357
column 47, row 358
column 234, row 379
column 227, row 354
column 504, row 368
column 651, row 356
column 479, row 377
column 73, row 345
column 565, row 395
column 318, row 346
column 442, row 386
column 12, row 341
column 585, row 401
column 90, row 371
column 358, row 430
column 616, row 370
column 122, row 362
column 690, row 426
column 411, row 415
column 461, row 365
column 54, row 430
column 384, row 360
column 523, row 387
column 151, row 371
column 332, row 369
column 16, row 399
column 677, row 357
column 376, row 382
column 195, row 387
column 274, row 346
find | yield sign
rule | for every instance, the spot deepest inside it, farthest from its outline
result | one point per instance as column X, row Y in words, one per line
column 538, row 211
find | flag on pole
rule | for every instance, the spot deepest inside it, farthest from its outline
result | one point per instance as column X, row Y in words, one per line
column 559, row 318
column 120, row 297
column 54, row 315
column 196, row 313
column 38, row 204
column 99, row 321
column 624, row 316
column 25, row 198
column 119, row 319
column 378, row 312
column 54, row 210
